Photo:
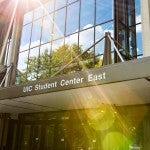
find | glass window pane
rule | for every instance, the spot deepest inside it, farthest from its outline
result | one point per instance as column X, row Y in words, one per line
column 138, row 27
column 34, row 52
column 104, row 10
column 87, row 14
column 25, row 37
column 22, row 61
column 57, row 55
column 71, row 1
column 25, row 144
column 99, row 33
column 33, row 64
column 131, row 13
column 45, row 61
column 47, row 28
column 60, row 3
column 137, row 7
column 28, row 17
column 86, row 38
column 72, row 18
column 45, row 47
column 72, row 39
column 49, row 137
column 36, row 33
column 56, row 44
column 138, row 19
column 49, row 7
column 59, row 23
column 138, row 11
column 61, row 134
column 139, row 39
column 38, row 12
column 74, row 50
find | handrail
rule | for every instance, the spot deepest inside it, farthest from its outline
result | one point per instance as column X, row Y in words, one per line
column 112, row 41
column 10, row 66
column 122, row 47
column 117, row 51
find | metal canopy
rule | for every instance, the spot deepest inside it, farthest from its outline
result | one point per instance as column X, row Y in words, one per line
column 130, row 70
column 133, row 92
column 124, row 84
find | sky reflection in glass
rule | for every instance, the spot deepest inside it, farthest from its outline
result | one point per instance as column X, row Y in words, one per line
column 28, row 18
column 72, row 24
column 36, row 33
column 47, row 28
column 23, row 57
column 59, row 23
column 104, row 10
column 87, row 13
column 25, row 38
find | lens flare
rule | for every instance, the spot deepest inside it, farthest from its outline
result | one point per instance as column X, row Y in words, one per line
column 101, row 119
column 116, row 141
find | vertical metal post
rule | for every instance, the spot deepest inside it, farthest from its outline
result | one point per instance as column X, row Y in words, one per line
column 13, row 54
column 2, row 54
column 107, row 51
column 115, row 48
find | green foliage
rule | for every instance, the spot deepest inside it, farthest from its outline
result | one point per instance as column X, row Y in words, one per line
column 47, row 64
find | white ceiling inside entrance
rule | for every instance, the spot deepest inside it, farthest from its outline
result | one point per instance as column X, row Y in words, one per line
column 121, row 93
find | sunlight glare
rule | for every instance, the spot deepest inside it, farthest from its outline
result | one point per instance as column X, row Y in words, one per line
column 101, row 119
column 116, row 140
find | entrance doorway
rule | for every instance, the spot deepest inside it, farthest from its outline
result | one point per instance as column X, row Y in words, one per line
column 57, row 131
column 31, row 137
column 93, row 129
column 61, row 136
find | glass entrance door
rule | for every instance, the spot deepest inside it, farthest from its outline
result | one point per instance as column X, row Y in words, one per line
column 58, row 136
column 31, row 137
column 49, row 137
column 101, row 130
column 62, row 138
column 84, row 137
column 25, row 142
column 35, row 137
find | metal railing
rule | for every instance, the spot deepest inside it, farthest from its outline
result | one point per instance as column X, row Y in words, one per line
column 8, row 69
column 113, row 42
column 113, row 45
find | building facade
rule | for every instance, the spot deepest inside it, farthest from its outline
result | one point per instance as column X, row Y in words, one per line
column 75, row 75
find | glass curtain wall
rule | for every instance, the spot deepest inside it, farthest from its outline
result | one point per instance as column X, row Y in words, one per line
column 57, row 32
column 54, row 34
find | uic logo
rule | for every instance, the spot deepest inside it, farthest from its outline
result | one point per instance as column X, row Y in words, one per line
column 27, row 89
